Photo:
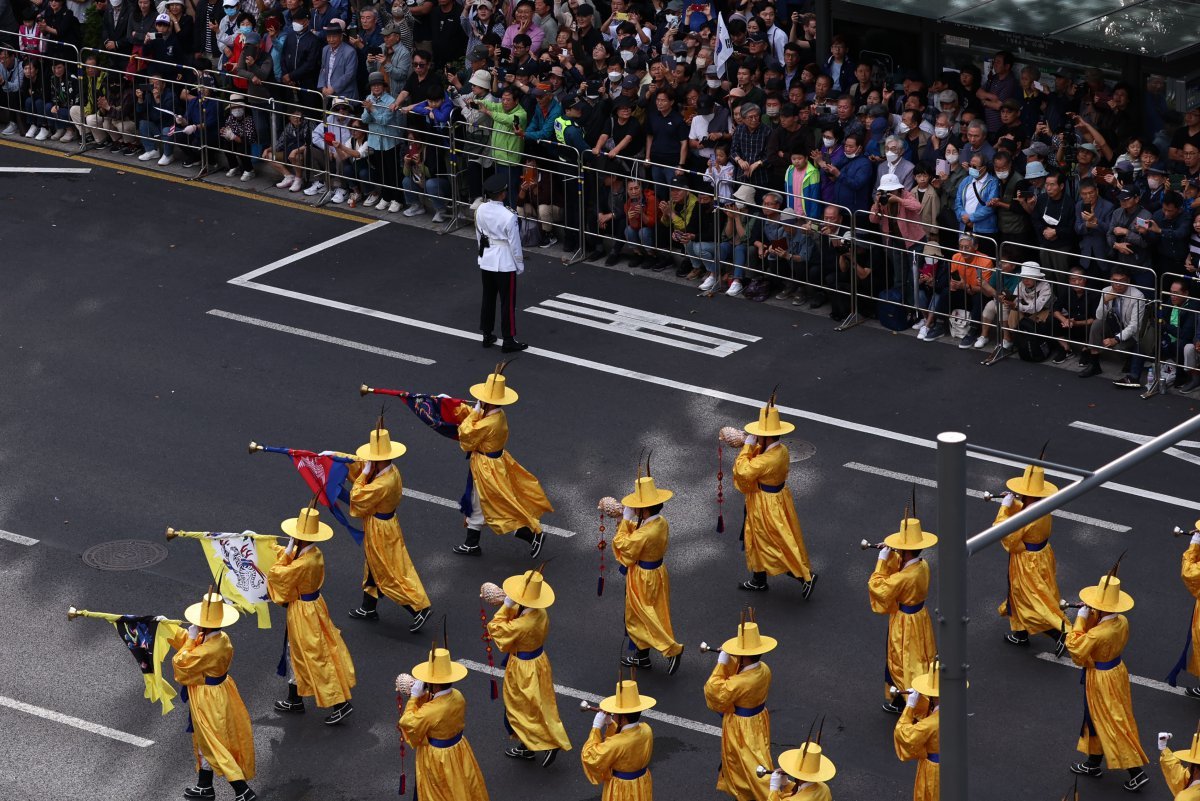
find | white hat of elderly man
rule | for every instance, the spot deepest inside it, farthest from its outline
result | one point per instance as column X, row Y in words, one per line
column 1035, row 169
column 890, row 183
column 482, row 79
column 744, row 195
column 1031, row 269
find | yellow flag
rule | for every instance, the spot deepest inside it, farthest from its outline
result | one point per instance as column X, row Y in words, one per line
column 239, row 565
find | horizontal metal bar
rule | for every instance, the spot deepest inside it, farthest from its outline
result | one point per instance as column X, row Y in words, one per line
column 1066, row 468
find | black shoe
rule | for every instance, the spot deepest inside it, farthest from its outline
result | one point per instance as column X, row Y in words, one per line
column 1092, row 369
column 1084, row 769
column 196, row 791
column 808, row 587
column 749, row 586
column 633, row 661
column 1127, row 382
column 364, row 614
column 519, row 752
column 246, row 796
column 1060, row 356
column 489, row 340
column 1016, row 639
column 1060, row 647
column 635, row 261
column 549, row 758
column 419, row 620
column 468, row 550
column 1192, row 692
column 535, row 547
column 611, row 259
column 1136, row 781
column 341, row 713
column 550, row 241
column 684, row 270
column 513, row 346
column 1192, row 384
column 116, row 147
column 893, row 708
column 673, row 663
column 658, row 265
column 293, row 707
column 594, row 255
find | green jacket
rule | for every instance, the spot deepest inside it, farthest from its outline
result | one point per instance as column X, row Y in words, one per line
column 506, row 145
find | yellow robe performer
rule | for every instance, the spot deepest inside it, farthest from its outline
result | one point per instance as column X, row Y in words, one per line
column 618, row 748
column 432, row 724
column 808, row 768
column 1032, row 603
column 916, row 735
column 1179, row 768
column 319, row 660
column 221, row 738
column 898, row 588
column 737, row 690
column 1189, row 571
column 500, row 492
column 388, row 566
column 519, row 629
column 640, row 545
column 1109, row 730
column 772, row 538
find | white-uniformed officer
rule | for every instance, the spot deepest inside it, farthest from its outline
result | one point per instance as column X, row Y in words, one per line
column 498, row 234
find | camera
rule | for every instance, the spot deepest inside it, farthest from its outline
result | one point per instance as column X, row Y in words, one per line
column 411, row 3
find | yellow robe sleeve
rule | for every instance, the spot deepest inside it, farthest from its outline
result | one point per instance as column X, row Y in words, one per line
column 912, row 735
column 1190, row 570
column 194, row 660
column 1081, row 641
column 366, row 495
column 283, row 576
column 1174, row 772
column 1012, row 542
column 885, row 584
column 506, row 627
column 628, row 542
column 414, row 723
column 598, row 755
column 472, row 431
column 722, row 688
column 748, row 466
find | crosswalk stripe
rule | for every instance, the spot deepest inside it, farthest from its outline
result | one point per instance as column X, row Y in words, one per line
column 662, row 319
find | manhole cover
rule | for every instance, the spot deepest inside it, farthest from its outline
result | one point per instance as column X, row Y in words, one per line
column 124, row 555
column 799, row 450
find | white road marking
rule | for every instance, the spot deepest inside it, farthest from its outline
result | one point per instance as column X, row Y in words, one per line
column 67, row 720
column 588, row 364
column 929, row 482
column 592, row 698
column 1153, row 684
column 1141, row 439
column 66, row 170
column 304, row 254
column 17, row 538
column 440, row 501
column 630, row 321
column 302, row 332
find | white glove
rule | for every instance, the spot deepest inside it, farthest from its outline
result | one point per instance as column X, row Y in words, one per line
column 227, row 134
column 509, row 602
column 478, row 406
column 418, row 689
column 193, row 631
column 1196, row 538
column 189, row 130
column 601, row 720
column 913, row 699
column 1083, row 614
column 325, row 453
column 885, row 553
column 160, row 618
column 751, row 440
column 724, row 659
column 777, row 781
column 1164, row 737
column 1009, row 500
column 628, row 513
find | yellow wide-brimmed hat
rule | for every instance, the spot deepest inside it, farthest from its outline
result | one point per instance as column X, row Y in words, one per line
column 1032, row 483
column 627, row 699
column 307, row 526
column 529, row 589
column 1192, row 754
column 494, row 390
column 807, row 764
column 380, row 448
column 645, row 494
column 211, row 613
column 439, row 668
column 749, row 641
column 910, row 537
column 1107, row 596
column 768, row 423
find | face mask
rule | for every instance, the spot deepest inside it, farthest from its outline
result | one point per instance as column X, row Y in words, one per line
column 615, row 76
column 245, row 29
column 891, row 157
column 1154, row 182
column 973, row 172
column 941, row 133
column 231, row 12
column 238, row 112
column 713, row 84
column 627, row 56
column 1002, row 174
column 772, row 111
column 828, row 141
column 298, row 27
column 903, row 129
column 701, row 62
column 851, row 155
column 115, row 3
column 951, row 158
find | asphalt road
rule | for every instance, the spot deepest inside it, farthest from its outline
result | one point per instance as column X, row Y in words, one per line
column 128, row 405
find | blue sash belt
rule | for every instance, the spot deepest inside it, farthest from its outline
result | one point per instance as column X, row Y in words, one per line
column 493, row 454
column 1109, row 665
column 748, row 711
column 534, row 654
column 772, row 488
column 464, row 503
column 629, row 775
column 310, row 596
column 650, row 565
column 1034, row 547
column 213, row 681
column 1181, row 665
column 932, row 758
column 449, row 741
column 385, row 515
column 912, row 609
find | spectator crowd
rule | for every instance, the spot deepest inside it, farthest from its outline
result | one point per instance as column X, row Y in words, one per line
column 1016, row 210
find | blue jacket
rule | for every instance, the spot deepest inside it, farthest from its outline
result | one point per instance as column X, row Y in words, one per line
column 541, row 126
column 984, row 218
column 853, row 187
column 345, row 71
column 211, row 117
column 379, row 119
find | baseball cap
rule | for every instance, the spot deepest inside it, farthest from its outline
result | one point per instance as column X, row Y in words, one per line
column 229, row 3
column 478, row 53
column 1035, row 169
column 1158, row 168
column 630, row 82
column 757, row 36
column 1126, row 194
column 679, row 182
column 376, row 77
column 1011, row 105
column 584, row 10
column 392, row 29
column 679, row 48
column 711, row 69
column 704, row 104
column 162, row 19
column 947, row 96
column 1037, row 149
column 1090, row 147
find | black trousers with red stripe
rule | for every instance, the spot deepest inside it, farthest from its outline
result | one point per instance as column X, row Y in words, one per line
column 503, row 285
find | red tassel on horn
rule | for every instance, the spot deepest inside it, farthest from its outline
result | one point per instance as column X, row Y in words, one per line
column 601, row 546
column 720, row 489
column 487, row 638
column 403, row 776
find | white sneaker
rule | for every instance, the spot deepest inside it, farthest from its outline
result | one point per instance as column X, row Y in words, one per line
column 165, row 160
column 232, row 171
column 246, row 176
column 708, row 283
column 414, row 210
column 54, row 137
column 285, row 183
column 476, row 203
column 918, row 325
column 297, row 184
column 440, row 216
column 394, row 207
column 735, row 289
column 316, row 189
column 43, row 134
column 68, row 136
column 149, row 155
column 923, row 331
column 9, row 129
column 980, row 343
column 33, row 129
column 382, row 205
column 339, row 195
column 1006, row 344
column 372, row 199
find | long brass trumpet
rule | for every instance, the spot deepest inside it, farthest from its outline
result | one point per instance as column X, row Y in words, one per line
column 1063, row 603
column 584, row 706
column 867, row 545
column 706, row 648
column 762, row 770
column 172, row 533
column 1179, row 532
column 988, row 497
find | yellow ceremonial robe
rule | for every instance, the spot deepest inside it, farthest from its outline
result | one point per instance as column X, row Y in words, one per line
column 1178, row 777
column 626, row 752
column 640, row 550
column 444, row 772
column 1109, row 726
column 221, row 725
column 745, row 733
column 808, row 791
column 900, row 593
column 530, row 705
column 773, row 540
column 389, row 567
column 917, row 738
column 1032, row 602
column 1190, row 573
column 320, row 660
column 509, row 495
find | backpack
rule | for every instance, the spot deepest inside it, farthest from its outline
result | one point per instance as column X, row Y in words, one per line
column 892, row 314
column 1030, row 346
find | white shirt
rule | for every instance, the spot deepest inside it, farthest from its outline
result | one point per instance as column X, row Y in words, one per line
column 503, row 254
column 971, row 196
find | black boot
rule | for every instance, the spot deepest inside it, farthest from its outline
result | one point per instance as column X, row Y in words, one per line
column 242, row 791
column 294, row 702
column 470, row 546
column 1090, row 767
column 203, row 788
column 756, row 583
column 419, row 618
column 640, row 659
column 1137, row 777
column 1017, row 638
column 367, row 610
column 340, row 713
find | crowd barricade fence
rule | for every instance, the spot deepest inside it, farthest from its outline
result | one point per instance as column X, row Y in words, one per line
column 42, row 111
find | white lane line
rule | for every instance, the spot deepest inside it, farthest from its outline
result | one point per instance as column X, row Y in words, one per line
column 592, row 698
column 929, row 482
column 1141, row 439
column 67, row 720
column 61, row 170
column 626, row 321
column 660, row 319
column 303, row 254
column 303, row 332
column 741, row 400
column 17, row 538
column 440, row 501
column 618, row 327
column 1153, row 684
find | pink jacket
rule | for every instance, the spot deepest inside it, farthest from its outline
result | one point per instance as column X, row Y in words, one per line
column 907, row 223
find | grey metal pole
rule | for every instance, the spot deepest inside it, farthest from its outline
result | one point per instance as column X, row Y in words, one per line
column 952, row 613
